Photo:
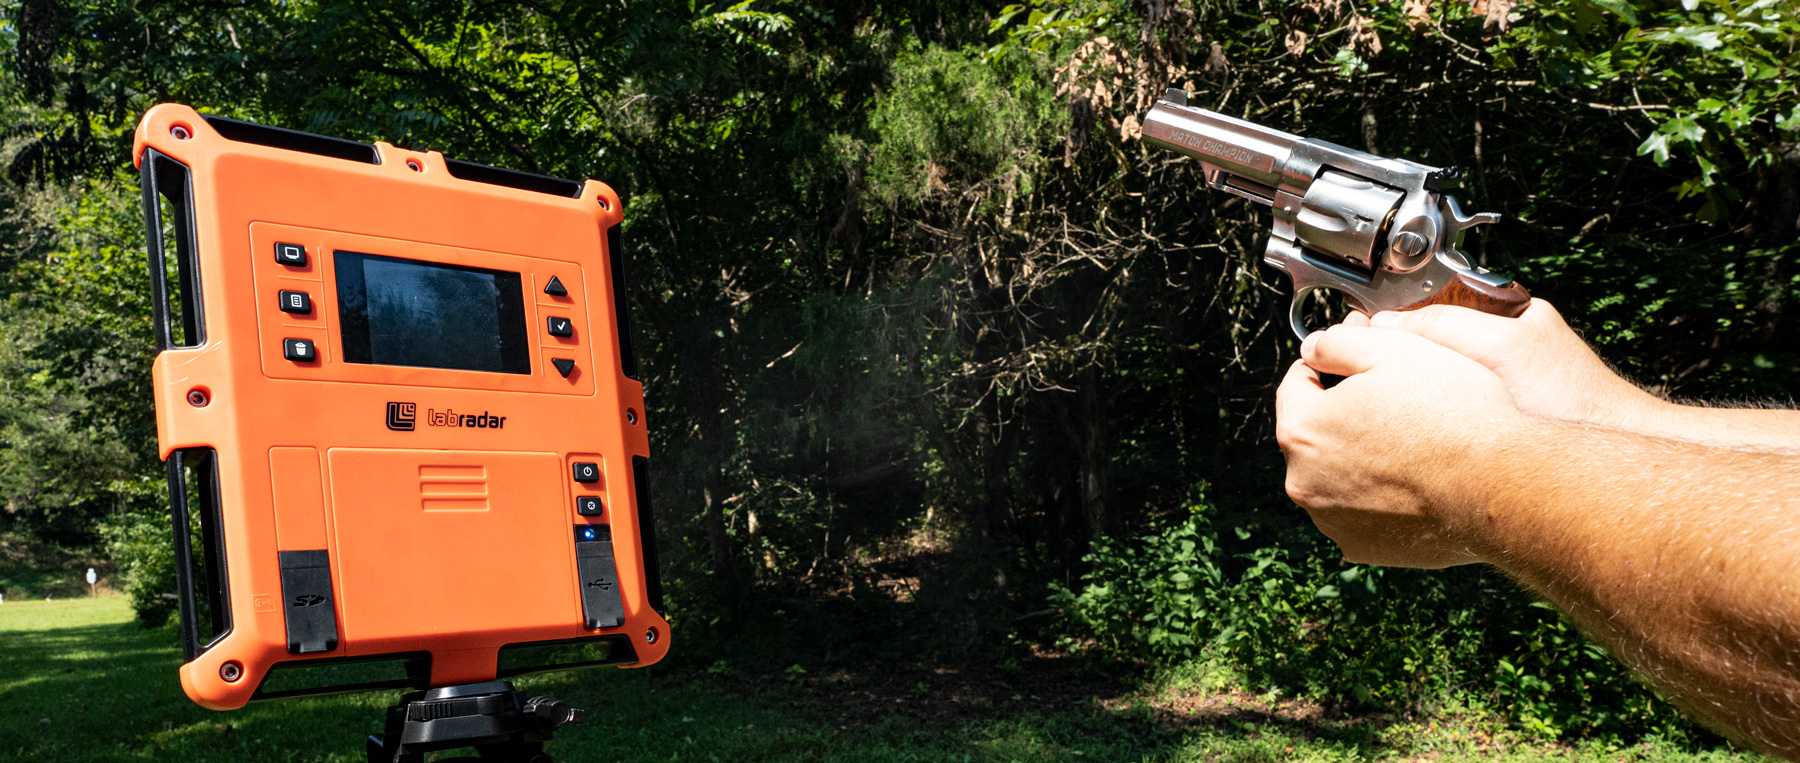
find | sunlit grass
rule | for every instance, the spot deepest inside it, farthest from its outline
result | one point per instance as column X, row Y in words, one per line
column 81, row 681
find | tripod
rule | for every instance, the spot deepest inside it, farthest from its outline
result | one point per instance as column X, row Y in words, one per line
column 491, row 717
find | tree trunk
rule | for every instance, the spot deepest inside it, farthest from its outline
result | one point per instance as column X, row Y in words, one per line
column 1083, row 418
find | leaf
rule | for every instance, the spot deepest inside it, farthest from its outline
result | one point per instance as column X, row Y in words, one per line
column 1791, row 121
column 1702, row 37
column 1683, row 128
column 1657, row 146
column 1619, row 8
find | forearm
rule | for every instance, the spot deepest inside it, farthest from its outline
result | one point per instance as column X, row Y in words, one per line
column 1552, row 373
column 1760, row 429
column 1680, row 558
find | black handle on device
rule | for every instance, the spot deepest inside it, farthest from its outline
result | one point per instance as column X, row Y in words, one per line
column 203, row 462
column 161, row 177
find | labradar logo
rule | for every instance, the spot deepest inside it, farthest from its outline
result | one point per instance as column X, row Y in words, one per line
column 404, row 417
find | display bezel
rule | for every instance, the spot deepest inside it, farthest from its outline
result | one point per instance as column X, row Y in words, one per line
column 352, row 300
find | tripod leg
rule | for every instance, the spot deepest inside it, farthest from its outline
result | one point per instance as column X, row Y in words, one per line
column 513, row 752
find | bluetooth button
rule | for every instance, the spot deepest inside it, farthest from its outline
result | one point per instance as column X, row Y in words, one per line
column 588, row 506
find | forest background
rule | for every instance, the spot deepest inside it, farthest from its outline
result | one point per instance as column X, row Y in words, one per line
column 941, row 361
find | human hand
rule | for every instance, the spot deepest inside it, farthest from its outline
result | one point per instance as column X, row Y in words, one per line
column 1550, row 371
column 1384, row 460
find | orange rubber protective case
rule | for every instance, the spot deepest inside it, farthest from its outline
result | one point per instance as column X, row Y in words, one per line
column 444, row 500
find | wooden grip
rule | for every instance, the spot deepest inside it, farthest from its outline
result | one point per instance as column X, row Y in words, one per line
column 1467, row 291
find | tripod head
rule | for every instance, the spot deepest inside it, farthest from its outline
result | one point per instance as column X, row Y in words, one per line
column 491, row 717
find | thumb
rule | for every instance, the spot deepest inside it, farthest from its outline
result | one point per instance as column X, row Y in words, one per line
column 1300, row 390
column 1350, row 350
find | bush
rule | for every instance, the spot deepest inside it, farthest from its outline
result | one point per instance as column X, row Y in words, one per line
column 140, row 544
column 1292, row 618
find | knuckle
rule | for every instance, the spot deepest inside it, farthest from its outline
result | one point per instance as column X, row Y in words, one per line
column 1298, row 491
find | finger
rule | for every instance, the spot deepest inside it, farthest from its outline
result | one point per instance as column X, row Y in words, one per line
column 1300, row 393
column 1543, row 313
column 1355, row 318
column 1350, row 350
column 1470, row 332
column 1299, row 387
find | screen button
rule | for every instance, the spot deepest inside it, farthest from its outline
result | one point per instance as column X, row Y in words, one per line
column 290, row 254
column 588, row 506
column 564, row 366
column 299, row 350
column 587, row 471
column 560, row 326
column 296, row 302
column 555, row 288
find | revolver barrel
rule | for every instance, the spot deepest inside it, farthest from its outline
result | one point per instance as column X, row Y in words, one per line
column 1239, row 157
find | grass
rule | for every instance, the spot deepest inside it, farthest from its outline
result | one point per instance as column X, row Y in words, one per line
column 80, row 681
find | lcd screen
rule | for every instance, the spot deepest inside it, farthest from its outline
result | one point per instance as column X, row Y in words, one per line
column 400, row 312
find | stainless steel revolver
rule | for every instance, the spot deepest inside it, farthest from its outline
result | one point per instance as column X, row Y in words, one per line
column 1380, row 231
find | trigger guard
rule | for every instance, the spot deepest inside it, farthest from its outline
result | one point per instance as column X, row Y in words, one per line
column 1300, row 295
column 1295, row 307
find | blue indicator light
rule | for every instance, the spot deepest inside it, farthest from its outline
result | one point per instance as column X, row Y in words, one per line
column 585, row 533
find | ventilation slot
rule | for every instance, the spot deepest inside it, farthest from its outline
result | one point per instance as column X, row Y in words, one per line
column 524, row 181
column 615, row 256
column 203, row 588
column 294, row 140
column 174, row 263
column 537, row 656
column 640, row 482
column 298, row 678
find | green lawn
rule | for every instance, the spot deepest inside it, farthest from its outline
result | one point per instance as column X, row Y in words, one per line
column 80, row 681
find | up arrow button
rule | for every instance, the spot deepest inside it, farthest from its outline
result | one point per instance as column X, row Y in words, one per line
column 555, row 288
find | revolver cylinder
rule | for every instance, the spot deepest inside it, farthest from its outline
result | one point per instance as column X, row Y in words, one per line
column 1348, row 217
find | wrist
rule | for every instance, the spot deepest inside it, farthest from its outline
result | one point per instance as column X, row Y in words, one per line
column 1628, row 407
column 1476, row 497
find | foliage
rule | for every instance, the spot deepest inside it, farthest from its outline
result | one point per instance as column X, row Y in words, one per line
column 1376, row 637
column 955, row 119
column 925, row 328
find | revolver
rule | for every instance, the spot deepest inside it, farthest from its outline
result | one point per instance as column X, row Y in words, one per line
column 1382, row 232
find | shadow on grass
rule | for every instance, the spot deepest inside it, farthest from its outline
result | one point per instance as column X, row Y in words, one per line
column 110, row 693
